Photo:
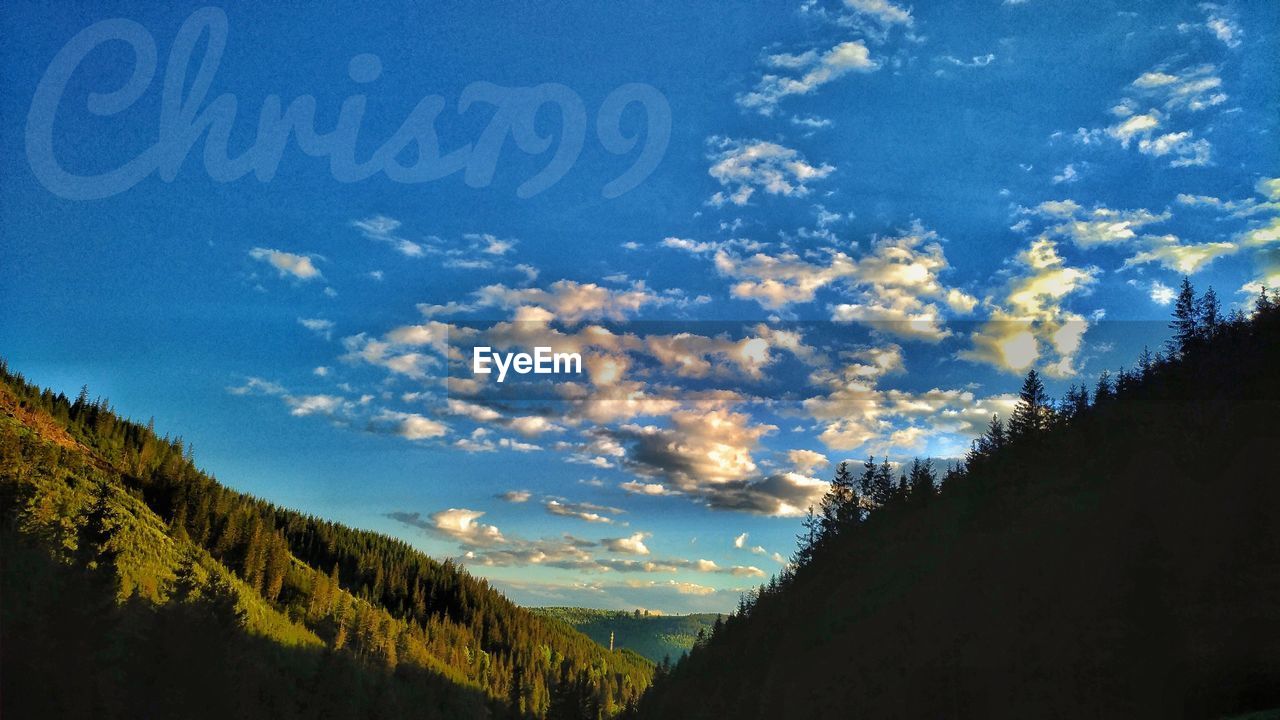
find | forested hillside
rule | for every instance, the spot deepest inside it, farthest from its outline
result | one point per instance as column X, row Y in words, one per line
column 657, row 637
column 135, row 585
column 1112, row 555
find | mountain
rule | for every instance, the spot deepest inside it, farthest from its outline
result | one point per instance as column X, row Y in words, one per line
column 136, row 585
column 1114, row 555
column 657, row 637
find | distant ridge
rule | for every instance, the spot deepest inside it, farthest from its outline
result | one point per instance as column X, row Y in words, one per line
column 655, row 636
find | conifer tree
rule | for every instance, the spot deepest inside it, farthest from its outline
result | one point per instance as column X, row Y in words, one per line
column 1186, row 320
column 1033, row 412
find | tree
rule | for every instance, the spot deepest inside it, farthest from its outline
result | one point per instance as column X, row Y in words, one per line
column 921, row 481
column 1210, row 313
column 840, row 506
column 1186, row 320
column 1104, row 390
column 1032, row 413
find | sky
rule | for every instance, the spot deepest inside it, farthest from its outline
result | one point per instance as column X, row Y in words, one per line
column 780, row 235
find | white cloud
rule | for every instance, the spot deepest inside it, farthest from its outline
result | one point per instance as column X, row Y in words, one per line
column 743, row 166
column 410, row 426
column 381, row 228
column 319, row 326
column 1162, row 294
column 740, row 541
column 286, row 263
column 587, row 512
column 1029, row 325
column 817, row 69
column 896, row 287
column 631, row 545
column 460, row 524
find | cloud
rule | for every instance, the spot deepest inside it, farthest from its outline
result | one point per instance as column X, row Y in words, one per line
column 1103, row 227
column 1094, row 227
column 631, row 545
column 319, row 326
column 409, row 426
column 896, row 287
column 1220, row 23
column 457, row 524
column 570, row 301
column 1030, row 323
column 490, row 244
column 1192, row 89
column 587, row 512
column 740, row 541
column 815, row 70
column 684, row 588
column 381, row 228
column 515, row 496
column 882, row 11
column 299, row 266
column 805, row 461
column 1162, row 294
column 743, row 166
column 640, row 488
column 1169, row 252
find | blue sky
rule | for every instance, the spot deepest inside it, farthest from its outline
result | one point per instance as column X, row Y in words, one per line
column 856, row 224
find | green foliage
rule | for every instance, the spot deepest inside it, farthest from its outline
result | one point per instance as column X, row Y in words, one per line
column 650, row 635
column 298, row 608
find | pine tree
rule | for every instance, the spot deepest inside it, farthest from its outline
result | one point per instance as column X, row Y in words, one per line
column 840, row 506
column 1104, row 390
column 1186, row 320
column 1210, row 314
column 1033, row 412
column 922, row 482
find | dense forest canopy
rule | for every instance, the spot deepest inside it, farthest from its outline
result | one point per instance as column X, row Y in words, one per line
column 1112, row 554
column 127, row 569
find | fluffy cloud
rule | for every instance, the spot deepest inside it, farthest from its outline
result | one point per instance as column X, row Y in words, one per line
column 896, row 286
column 813, row 69
column 569, row 301
column 1187, row 259
column 882, row 11
column 456, row 524
column 409, row 426
column 743, row 166
column 286, row 263
column 1096, row 226
column 631, row 545
column 805, row 461
column 1030, row 325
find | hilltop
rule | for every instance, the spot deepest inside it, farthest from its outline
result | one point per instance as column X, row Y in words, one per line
column 137, row 585
column 1112, row 555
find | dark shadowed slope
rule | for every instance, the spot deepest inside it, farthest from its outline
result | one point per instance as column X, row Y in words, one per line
column 1116, row 555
